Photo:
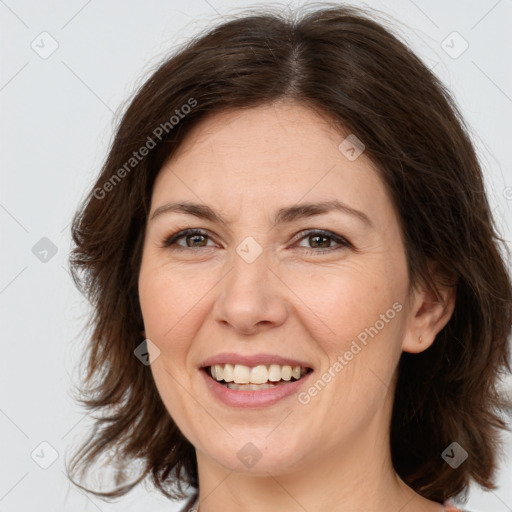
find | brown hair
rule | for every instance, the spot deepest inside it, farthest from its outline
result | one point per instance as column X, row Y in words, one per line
column 338, row 61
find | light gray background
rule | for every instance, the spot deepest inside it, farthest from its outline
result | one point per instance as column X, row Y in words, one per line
column 56, row 119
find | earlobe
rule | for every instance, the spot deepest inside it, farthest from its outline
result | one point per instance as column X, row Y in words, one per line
column 431, row 312
column 416, row 346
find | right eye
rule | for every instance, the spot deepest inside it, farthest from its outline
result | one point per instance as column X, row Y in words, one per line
column 193, row 238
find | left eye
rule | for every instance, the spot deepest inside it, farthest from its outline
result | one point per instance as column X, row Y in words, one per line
column 323, row 240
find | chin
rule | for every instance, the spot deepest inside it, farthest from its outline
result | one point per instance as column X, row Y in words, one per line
column 257, row 455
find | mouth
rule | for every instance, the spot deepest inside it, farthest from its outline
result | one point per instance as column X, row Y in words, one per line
column 239, row 377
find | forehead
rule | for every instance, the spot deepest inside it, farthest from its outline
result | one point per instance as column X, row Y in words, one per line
column 268, row 134
column 271, row 155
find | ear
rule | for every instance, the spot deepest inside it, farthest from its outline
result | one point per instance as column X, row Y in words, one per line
column 429, row 312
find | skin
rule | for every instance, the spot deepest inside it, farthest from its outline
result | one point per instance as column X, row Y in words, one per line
column 332, row 453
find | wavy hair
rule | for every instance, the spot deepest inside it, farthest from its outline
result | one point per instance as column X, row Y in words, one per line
column 343, row 63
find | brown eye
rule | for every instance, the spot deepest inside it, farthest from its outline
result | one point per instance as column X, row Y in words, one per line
column 193, row 238
column 324, row 241
column 319, row 241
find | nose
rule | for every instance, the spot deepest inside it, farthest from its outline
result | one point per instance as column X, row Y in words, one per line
column 252, row 297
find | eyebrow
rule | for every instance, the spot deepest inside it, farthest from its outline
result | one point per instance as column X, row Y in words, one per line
column 288, row 214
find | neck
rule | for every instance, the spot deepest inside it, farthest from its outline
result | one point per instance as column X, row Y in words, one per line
column 357, row 475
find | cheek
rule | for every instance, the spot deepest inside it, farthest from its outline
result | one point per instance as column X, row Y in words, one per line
column 167, row 296
column 357, row 318
column 170, row 303
column 344, row 302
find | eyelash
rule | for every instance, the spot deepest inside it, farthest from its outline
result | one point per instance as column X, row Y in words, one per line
column 343, row 242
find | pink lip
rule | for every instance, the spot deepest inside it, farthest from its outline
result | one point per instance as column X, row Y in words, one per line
column 262, row 398
column 254, row 360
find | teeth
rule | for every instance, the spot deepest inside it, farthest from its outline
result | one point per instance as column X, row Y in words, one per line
column 274, row 373
column 241, row 374
column 228, row 372
column 218, row 372
column 259, row 375
column 249, row 387
column 286, row 372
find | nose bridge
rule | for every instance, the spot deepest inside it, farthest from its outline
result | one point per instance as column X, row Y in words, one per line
column 250, row 269
column 251, row 262
column 250, row 295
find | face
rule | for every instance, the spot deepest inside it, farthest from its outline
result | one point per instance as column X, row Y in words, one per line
column 274, row 273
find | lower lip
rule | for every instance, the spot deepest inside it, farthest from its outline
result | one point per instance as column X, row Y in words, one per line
column 262, row 398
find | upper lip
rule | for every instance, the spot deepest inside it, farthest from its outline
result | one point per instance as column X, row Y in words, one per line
column 252, row 360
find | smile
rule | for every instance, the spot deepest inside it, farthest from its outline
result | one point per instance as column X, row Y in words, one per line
column 255, row 380
column 240, row 377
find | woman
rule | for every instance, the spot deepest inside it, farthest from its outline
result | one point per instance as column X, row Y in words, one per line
column 300, row 303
